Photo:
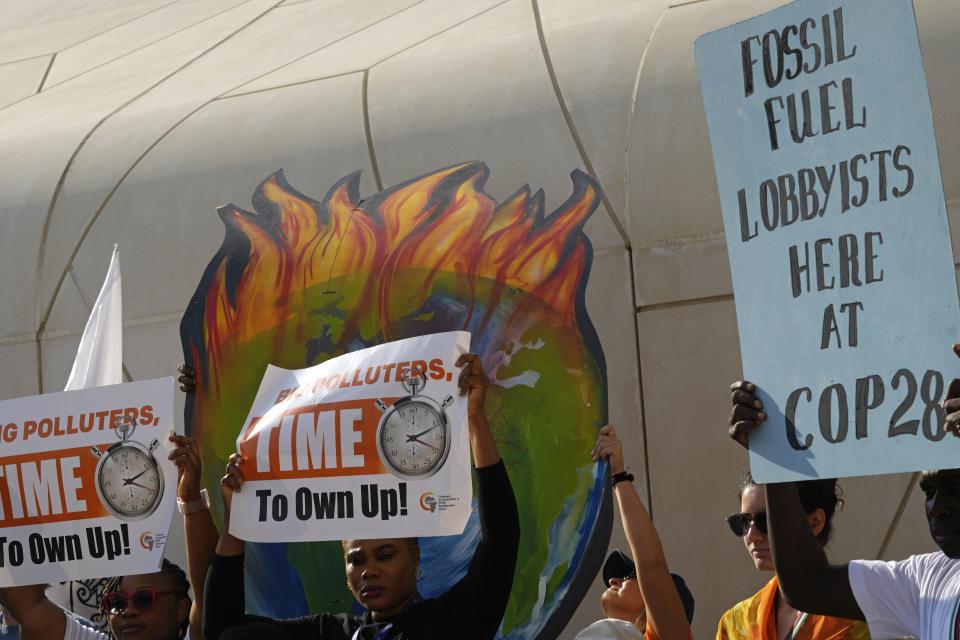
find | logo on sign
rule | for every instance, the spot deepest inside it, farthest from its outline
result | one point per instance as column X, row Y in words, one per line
column 428, row 502
column 147, row 540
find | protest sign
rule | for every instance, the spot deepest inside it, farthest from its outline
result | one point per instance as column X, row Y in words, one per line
column 371, row 444
column 86, row 490
column 836, row 229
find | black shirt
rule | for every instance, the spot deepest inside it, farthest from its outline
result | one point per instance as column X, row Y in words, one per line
column 472, row 609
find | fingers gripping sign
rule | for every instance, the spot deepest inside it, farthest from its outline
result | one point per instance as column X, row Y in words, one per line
column 951, row 403
column 747, row 412
column 232, row 480
column 187, row 378
column 472, row 382
column 609, row 448
column 186, row 456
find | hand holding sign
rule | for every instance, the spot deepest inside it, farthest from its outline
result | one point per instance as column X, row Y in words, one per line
column 951, row 404
column 609, row 448
column 746, row 414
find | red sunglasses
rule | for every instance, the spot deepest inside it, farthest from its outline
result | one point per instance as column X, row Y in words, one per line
column 143, row 600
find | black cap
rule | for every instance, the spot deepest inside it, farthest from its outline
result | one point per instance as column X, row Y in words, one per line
column 619, row 565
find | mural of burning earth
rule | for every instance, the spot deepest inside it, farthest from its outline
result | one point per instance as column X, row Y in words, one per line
column 301, row 281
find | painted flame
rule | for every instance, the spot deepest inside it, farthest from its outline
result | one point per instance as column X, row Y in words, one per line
column 440, row 222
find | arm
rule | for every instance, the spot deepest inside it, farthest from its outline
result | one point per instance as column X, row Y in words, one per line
column 808, row 581
column 665, row 614
column 473, row 383
column 223, row 602
column 482, row 595
column 38, row 617
column 200, row 532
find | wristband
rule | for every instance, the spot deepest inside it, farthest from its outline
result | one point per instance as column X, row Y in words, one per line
column 623, row 476
column 193, row 506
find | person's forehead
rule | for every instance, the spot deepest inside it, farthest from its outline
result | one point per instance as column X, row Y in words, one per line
column 371, row 545
column 157, row 580
column 939, row 476
column 753, row 495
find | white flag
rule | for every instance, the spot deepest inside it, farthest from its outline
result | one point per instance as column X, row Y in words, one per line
column 99, row 359
column 99, row 362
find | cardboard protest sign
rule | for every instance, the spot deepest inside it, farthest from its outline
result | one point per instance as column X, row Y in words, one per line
column 371, row 444
column 836, row 228
column 86, row 490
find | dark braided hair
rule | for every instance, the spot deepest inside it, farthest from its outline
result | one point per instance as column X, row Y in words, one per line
column 823, row 494
column 181, row 584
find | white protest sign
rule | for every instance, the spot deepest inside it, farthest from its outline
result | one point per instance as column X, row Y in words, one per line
column 86, row 489
column 836, row 229
column 371, row 444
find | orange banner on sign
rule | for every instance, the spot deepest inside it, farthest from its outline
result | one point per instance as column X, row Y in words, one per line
column 315, row 441
column 51, row 486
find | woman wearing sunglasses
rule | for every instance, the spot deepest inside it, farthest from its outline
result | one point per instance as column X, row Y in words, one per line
column 643, row 600
column 766, row 615
column 151, row 606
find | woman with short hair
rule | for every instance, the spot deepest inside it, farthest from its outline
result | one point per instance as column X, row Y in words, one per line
column 382, row 573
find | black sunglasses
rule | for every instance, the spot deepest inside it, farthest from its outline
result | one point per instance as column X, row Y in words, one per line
column 740, row 522
column 630, row 576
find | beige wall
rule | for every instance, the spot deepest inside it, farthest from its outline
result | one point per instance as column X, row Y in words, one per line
column 131, row 121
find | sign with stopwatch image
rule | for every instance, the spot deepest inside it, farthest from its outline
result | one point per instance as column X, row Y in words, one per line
column 86, row 487
column 128, row 477
column 370, row 444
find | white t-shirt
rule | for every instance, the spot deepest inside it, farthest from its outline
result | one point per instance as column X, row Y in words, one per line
column 918, row 597
column 77, row 631
column 610, row 629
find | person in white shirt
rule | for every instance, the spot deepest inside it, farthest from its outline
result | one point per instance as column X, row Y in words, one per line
column 152, row 606
column 918, row 597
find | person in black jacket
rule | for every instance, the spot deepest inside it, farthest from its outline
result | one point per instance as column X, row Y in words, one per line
column 381, row 574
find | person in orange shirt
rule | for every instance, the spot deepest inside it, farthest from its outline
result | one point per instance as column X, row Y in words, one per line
column 643, row 599
column 766, row 614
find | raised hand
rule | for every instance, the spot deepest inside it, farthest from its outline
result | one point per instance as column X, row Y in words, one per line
column 951, row 404
column 187, row 378
column 473, row 383
column 747, row 412
column 232, row 481
column 186, row 456
column 609, row 448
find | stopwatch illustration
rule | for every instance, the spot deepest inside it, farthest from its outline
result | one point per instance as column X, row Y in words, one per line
column 413, row 437
column 129, row 479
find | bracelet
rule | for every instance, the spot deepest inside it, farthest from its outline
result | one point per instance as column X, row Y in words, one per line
column 193, row 506
column 623, row 476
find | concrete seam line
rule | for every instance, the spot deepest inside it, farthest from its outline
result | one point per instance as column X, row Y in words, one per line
column 230, row 96
column 368, row 131
column 631, row 112
column 39, row 352
column 329, row 44
column 581, row 150
column 897, row 515
column 688, row 302
column 113, row 190
column 117, row 26
column 76, row 152
column 39, row 55
column 45, row 74
column 151, row 43
column 438, row 33
column 643, row 408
